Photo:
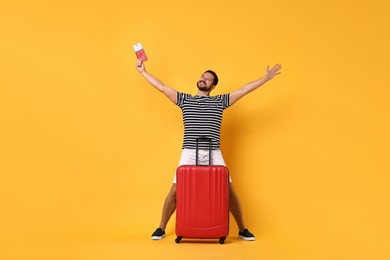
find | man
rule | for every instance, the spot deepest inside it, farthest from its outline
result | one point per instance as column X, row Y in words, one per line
column 202, row 116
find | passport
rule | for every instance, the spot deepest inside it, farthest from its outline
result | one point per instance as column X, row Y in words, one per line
column 140, row 52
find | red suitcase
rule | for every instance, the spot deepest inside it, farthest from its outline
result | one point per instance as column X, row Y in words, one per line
column 202, row 201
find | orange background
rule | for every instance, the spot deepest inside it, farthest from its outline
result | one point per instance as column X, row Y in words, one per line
column 88, row 149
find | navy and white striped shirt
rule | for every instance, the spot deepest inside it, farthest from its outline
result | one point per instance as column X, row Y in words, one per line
column 202, row 117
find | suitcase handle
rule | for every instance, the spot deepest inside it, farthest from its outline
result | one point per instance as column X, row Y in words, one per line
column 196, row 153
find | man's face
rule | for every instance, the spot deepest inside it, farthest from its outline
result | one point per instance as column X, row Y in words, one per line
column 205, row 83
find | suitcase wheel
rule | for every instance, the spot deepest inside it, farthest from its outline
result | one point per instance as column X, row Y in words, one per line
column 178, row 239
column 222, row 240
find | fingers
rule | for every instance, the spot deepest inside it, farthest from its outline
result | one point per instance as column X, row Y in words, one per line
column 276, row 69
column 271, row 73
column 139, row 65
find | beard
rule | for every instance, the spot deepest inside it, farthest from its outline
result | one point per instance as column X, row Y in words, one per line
column 203, row 87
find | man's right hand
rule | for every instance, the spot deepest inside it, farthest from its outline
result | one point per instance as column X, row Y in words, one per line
column 140, row 66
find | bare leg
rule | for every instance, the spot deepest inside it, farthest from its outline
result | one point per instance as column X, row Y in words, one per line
column 169, row 207
column 235, row 208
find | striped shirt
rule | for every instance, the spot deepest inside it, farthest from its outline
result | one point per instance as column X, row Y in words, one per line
column 202, row 117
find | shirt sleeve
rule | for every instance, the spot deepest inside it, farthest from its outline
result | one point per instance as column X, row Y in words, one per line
column 225, row 101
column 180, row 99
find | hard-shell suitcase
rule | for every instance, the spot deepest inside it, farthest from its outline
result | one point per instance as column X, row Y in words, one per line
column 202, row 200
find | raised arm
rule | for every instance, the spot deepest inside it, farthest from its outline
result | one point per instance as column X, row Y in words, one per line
column 248, row 88
column 168, row 91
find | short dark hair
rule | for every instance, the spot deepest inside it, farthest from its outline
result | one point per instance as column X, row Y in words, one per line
column 215, row 81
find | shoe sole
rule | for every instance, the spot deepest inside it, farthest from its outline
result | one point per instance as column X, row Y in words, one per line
column 158, row 237
column 247, row 238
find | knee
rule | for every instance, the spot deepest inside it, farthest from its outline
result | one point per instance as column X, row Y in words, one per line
column 231, row 190
column 172, row 192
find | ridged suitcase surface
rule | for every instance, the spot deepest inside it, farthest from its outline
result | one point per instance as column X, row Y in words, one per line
column 202, row 202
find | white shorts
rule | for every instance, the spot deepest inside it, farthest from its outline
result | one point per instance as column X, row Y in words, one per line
column 188, row 157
